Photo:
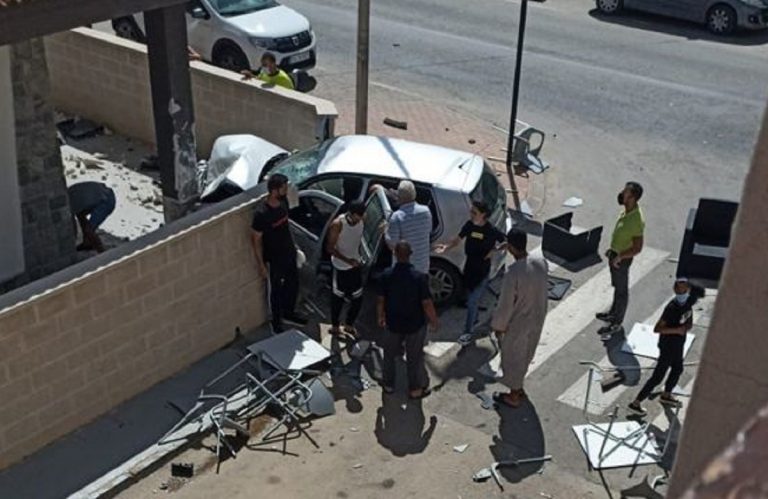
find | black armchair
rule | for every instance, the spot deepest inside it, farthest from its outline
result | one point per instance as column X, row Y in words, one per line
column 560, row 241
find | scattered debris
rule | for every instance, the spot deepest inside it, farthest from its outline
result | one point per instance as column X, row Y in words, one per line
column 447, row 129
column 185, row 470
column 402, row 125
column 498, row 160
column 91, row 164
column 472, row 141
column 354, row 429
column 573, row 202
column 460, row 448
column 133, row 187
column 547, row 496
column 673, row 260
column 163, row 486
column 395, row 44
column 357, row 466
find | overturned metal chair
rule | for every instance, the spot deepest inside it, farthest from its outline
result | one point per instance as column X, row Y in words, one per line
column 526, row 148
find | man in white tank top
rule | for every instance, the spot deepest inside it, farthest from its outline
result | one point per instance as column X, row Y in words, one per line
column 344, row 238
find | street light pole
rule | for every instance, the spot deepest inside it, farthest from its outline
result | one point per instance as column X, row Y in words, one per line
column 361, row 95
column 515, row 96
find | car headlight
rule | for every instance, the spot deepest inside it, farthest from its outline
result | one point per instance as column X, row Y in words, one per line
column 266, row 43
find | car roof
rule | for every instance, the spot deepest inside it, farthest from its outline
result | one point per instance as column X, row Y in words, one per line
column 397, row 158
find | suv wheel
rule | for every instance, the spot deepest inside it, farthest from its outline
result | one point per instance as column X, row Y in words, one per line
column 229, row 56
column 609, row 6
column 444, row 282
column 126, row 27
column 721, row 19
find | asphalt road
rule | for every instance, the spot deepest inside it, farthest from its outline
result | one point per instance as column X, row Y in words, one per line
column 629, row 97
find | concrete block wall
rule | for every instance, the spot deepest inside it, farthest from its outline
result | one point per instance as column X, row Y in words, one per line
column 106, row 79
column 71, row 353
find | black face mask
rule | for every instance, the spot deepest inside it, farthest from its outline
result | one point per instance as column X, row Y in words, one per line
column 621, row 198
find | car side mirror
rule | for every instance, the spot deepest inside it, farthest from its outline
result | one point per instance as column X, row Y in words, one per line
column 199, row 12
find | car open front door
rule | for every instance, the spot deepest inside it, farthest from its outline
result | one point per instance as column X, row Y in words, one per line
column 377, row 211
column 309, row 226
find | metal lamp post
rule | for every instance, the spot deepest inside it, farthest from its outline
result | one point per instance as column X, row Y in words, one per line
column 515, row 96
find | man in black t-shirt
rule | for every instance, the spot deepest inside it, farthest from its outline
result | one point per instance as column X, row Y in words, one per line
column 672, row 327
column 481, row 240
column 273, row 246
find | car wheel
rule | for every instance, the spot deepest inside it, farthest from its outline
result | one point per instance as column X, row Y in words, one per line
column 444, row 282
column 721, row 19
column 609, row 6
column 126, row 27
column 230, row 57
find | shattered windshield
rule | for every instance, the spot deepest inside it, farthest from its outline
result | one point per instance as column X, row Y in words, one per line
column 302, row 165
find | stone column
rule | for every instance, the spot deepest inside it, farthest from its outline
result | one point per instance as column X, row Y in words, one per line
column 11, row 245
column 48, row 228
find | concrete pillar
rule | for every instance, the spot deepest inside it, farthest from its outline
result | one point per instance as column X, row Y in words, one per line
column 732, row 381
column 47, row 226
column 172, row 106
column 11, row 243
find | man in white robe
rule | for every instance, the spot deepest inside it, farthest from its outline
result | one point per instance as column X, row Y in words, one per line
column 519, row 316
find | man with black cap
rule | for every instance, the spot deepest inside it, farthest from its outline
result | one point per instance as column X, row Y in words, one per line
column 672, row 328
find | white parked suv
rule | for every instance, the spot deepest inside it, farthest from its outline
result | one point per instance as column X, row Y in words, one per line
column 233, row 34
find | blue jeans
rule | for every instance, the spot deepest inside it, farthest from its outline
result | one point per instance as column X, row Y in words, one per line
column 473, row 305
column 101, row 211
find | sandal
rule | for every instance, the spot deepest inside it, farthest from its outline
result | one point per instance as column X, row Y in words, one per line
column 352, row 331
column 509, row 399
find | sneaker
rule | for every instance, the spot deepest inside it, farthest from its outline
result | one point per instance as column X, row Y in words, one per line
column 610, row 329
column 296, row 319
column 606, row 337
column 636, row 408
column 604, row 316
column 466, row 339
column 670, row 401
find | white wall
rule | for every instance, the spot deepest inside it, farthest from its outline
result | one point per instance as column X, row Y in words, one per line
column 11, row 244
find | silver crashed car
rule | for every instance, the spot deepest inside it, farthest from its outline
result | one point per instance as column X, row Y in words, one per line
column 721, row 17
column 343, row 169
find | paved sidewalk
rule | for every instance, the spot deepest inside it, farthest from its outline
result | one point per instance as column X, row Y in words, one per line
column 386, row 447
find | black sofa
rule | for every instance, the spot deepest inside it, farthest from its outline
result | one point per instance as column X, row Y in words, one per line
column 706, row 240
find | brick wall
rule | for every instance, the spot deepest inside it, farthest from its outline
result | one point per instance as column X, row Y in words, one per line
column 69, row 354
column 48, row 234
column 106, row 79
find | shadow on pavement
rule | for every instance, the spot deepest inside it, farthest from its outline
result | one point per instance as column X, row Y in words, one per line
column 400, row 425
column 685, row 29
column 520, row 437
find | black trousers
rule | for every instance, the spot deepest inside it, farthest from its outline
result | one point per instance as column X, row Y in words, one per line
column 392, row 344
column 347, row 286
column 283, row 289
column 620, row 283
column 670, row 358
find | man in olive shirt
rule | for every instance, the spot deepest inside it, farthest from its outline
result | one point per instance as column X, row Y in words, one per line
column 626, row 243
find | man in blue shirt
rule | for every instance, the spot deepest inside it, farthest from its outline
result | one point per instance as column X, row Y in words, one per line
column 404, row 306
column 411, row 223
